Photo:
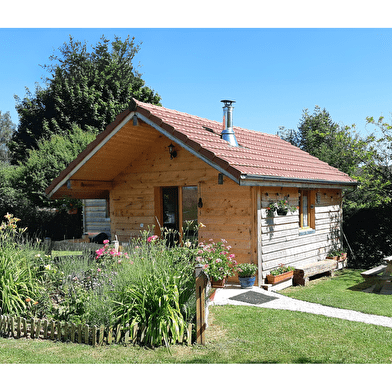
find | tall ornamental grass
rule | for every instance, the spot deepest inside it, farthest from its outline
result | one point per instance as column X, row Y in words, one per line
column 157, row 290
column 19, row 284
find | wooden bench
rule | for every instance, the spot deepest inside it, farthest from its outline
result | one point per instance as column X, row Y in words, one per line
column 374, row 271
column 302, row 274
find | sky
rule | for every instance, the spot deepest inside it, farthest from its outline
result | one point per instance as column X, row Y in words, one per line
column 273, row 73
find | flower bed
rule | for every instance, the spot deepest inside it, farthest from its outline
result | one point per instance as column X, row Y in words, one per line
column 149, row 286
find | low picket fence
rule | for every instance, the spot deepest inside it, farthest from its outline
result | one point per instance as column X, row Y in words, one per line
column 19, row 327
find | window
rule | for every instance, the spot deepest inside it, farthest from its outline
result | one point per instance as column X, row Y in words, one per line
column 177, row 209
column 307, row 210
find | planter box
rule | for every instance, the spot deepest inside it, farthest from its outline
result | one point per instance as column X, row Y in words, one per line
column 343, row 257
column 338, row 258
column 218, row 283
column 279, row 278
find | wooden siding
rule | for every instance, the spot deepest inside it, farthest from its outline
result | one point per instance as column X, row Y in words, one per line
column 281, row 242
column 227, row 209
column 94, row 216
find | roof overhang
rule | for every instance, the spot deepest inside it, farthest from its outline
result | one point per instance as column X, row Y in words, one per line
column 254, row 180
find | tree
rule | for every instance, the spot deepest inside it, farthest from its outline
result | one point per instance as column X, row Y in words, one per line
column 7, row 128
column 48, row 160
column 86, row 89
column 342, row 147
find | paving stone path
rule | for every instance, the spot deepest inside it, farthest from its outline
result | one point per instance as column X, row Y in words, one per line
column 273, row 300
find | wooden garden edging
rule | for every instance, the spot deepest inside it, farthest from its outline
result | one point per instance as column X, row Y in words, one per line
column 19, row 327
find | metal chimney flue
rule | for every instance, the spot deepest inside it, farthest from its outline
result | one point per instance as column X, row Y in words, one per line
column 228, row 132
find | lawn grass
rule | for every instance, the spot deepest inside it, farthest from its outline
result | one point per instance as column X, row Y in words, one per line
column 343, row 291
column 246, row 335
column 236, row 335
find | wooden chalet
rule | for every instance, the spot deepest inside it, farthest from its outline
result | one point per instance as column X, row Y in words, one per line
column 160, row 167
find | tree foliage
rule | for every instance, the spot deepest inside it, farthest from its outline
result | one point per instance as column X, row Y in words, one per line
column 87, row 89
column 367, row 159
column 7, row 128
column 48, row 160
column 344, row 148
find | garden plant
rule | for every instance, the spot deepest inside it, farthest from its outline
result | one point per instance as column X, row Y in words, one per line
column 149, row 283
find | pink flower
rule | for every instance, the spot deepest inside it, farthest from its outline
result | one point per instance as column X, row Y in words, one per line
column 99, row 270
column 152, row 238
column 105, row 241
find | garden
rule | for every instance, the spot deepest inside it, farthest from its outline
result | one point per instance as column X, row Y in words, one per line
column 146, row 289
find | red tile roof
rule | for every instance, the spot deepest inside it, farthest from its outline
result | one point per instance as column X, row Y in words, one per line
column 259, row 157
column 259, row 154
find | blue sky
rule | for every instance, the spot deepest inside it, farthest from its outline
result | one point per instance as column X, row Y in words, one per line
column 273, row 74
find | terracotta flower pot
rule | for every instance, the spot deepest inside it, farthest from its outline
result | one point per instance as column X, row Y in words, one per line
column 218, row 283
column 279, row 278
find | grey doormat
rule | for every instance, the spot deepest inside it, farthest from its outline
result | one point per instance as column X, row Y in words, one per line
column 253, row 297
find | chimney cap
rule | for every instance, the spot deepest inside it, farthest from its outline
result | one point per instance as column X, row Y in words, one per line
column 227, row 102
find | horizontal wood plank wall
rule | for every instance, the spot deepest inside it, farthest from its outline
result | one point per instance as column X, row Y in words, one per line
column 227, row 208
column 281, row 242
column 94, row 216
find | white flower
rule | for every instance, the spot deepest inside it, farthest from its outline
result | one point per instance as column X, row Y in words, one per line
column 188, row 244
column 48, row 267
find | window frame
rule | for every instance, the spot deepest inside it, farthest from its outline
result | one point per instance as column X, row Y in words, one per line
column 158, row 191
column 310, row 211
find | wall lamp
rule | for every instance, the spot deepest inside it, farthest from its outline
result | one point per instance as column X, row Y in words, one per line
column 220, row 178
column 172, row 152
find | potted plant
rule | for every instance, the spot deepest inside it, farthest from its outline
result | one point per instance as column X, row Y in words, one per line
column 282, row 207
column 280, row 274
column 337, row 255
column 246, row 274
column 218, row 262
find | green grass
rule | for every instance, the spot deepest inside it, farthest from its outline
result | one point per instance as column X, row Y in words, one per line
column 343, row 291
column 237, row 335
column 248, row 335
